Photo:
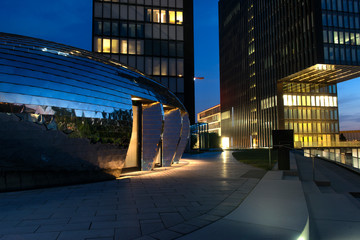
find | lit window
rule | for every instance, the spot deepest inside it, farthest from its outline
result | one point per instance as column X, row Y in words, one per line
column 132, row 46
column 156, row 15
column 326, row 101
column 140, row 47
column 336, row 37
column 163, row 16
column 115, row 46
column 106, row 45
column 97, row 44
column 313, row 101
column 164, row 67
column 172, row 17
column 285, row 100
column 148, row 15
column 179, row 17
column 123, row 49
column 358, row 39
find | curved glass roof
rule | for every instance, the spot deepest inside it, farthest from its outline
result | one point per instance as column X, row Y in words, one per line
column 48, row 73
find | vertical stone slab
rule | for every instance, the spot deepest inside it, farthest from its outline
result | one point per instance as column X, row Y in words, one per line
column 151, row 135
column 171, row 136
column 185, row 133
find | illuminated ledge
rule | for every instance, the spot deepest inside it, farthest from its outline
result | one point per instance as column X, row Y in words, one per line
column 324, row 73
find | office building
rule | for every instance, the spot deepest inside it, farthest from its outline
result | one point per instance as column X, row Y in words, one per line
column 280, row 62
column 153, row 36
column 211, row 116
column 66, row 113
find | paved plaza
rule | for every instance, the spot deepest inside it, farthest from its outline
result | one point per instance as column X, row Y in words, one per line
column 164, row 204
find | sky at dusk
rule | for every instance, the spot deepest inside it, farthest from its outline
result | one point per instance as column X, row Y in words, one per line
column 69, row 22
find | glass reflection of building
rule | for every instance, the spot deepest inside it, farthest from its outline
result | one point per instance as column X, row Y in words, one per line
column 68, row 110
column 280, row 62
column 153, row 36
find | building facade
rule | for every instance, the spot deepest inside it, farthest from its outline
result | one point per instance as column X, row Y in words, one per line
column 280, row 62
column 67, row 110
column 211, row 116
column 153, row 36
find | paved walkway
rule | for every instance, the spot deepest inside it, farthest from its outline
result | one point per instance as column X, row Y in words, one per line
column 159, row 205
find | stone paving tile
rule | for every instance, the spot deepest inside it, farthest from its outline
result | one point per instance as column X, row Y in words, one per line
column 184, row 228
column 198, row 222
column 166, row 235
column 157, row 204
column 71, row 235
column 32, row 236
column 114, row 224
column 171, row 219
column 151, row 226
column 63, row 227
column 127, row 233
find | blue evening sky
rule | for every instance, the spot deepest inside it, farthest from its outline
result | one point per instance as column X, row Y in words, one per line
column 69, row 22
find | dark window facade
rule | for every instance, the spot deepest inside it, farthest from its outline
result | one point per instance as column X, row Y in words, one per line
column 279, row 64
column 153, row 36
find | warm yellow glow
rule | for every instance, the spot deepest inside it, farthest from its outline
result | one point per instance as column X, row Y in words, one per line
column 156, row 15
column 115, row 46
column 106, row 45
column 179, row 17
column 163, row 16
column 172, row 17
column 97, row 44
column 225, row 142
column 123, row 47
column 132, row 46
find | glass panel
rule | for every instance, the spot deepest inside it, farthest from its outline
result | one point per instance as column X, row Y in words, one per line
column 123, row 48
column 179, row 33
column 132, row 46
column 140, row 47
column 156, row 31
column 172, row 67
column 179, row 17
column 164, row 66
column 180, row 85
column 115, row 46
column 163, row 16
column 156, row 15
column 115, row 29
column 132, row 12
column 98, row 27
column 140, row 13
column 106, row 10
column 115, row 11
column 106, row 45
column 148, row 15
column 97, row 44
column 148, row 65
column 156, row 66
column 123, row 29
column 148, row 30
column 98, row 10
column 180, row 67
column 172, row 17
column 123, row 12
column 107, row 28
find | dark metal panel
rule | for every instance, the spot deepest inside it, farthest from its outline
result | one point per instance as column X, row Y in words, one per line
column 184, row 138
column 171, row 136
column 152, row 129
